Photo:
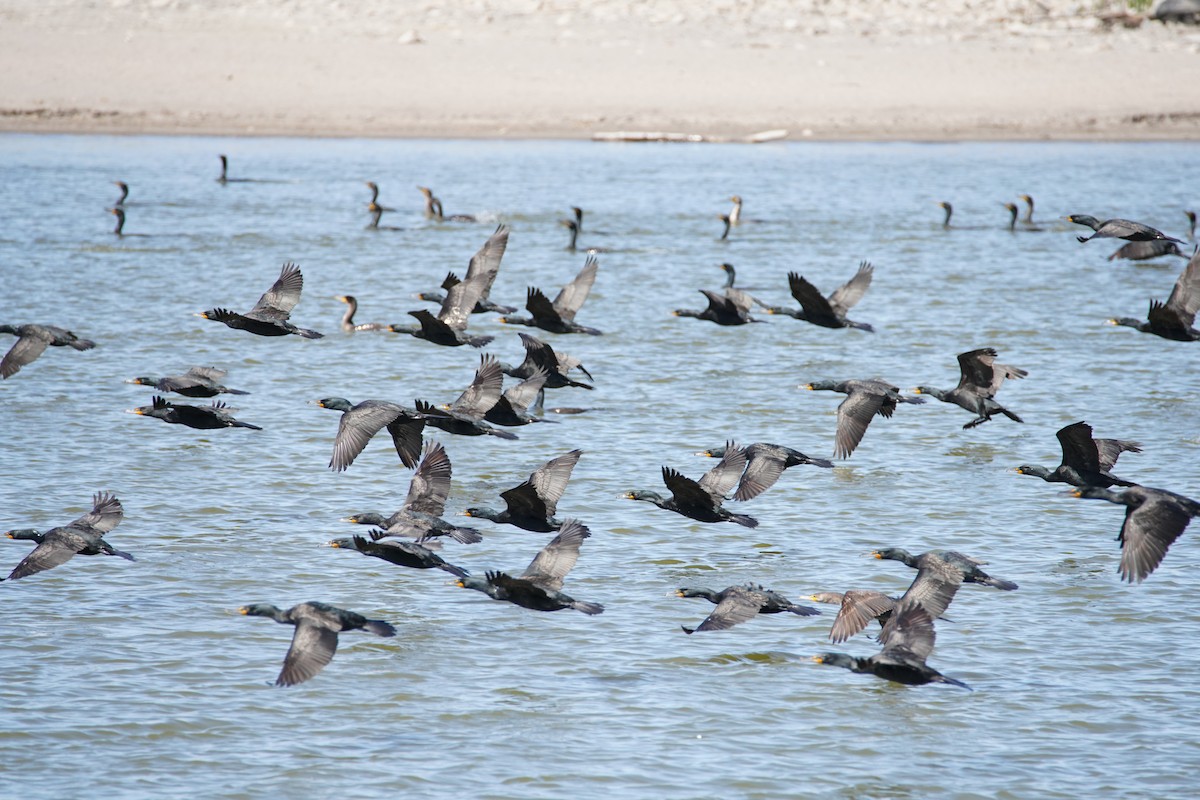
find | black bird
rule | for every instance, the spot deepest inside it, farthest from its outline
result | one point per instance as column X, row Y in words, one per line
column 83, row 536
column 196, row 382
column 483, row 268
column 1085, row 461
column 420, row 516
column 224, row 178
column 482, row 306
column 373, row 205
column 1173, row 319
column 433, row 208
column 539, row 587
column 532, row 504
column 828, row 312
column 32, row 341
column 902, row 659
column 512, row 409
column 1191, row 217
column 269, row 317
column 969, row 567
column 465, row 415
column 731, row 308
column 1026, row 224
column 559, row 316
column 1143, row 251
column 737, row 604
column 764, row 464
column 557, row 365
column 119, row 229
column 415, row 555
column 1117, row 229
column 864, row 400
column 727, row 222
column 124, row 187
column 701, row 500
column 362, row 421
column 1028, row 218
column 572, row 245
column 949, row 209
column 348, row 323
column 1154, row 519
column 857, row 607
column 980, row 379
column 316, row 637
column 204, row 418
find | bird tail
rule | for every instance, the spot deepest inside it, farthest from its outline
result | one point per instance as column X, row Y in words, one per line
column 952, row 682
column 379, row 627
column 479, row 341
column 997, row 583
column 112, row 551
column 309, row 334
column 804, row 611
column 83, row 344
column 590, row 609
column 1010, row 414
column 240, row 424
column 744, row 519
column 236, row 391
column 819, row 462
column 466, row 536
column 457, row 572
column 502, row 434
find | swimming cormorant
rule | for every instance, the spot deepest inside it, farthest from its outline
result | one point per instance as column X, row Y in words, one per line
column 865, row 399
column 1085, row 461
column 531, row 505
column 124, row 187
column 949, row 209
column 1026, row 225
column 828, row 312
column 196, row 382
column 727, row 222
column 1028, row 218
column 82, row 536
column 362, row 421
column 348, row 323
column 1173, row 319
column 269, row 317
column 559, row 316
column 316, row 637
column 433, row 208
column 1117, row 229
column 32, row 341
column 737, row 604
column 1154, row 519
column 701, row 500
column 573, row 227
column 980, row 379
column 764, row 464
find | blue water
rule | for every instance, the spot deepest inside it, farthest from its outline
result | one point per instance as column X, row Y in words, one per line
column 140, row 680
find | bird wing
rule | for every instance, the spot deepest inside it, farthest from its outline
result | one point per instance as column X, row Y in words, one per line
column 460, row 301
column 685, row 491
column 486, row 262
column 857, row 610
column 27, row 348
column 908, row 633
column 313, row 646
column 432, row 327
column 763, row 468
column 571, row 298
column 281, row 298
column 1079, row 448
column 934, row 587
column 1149, row 529
column 483, row 392
column 55, row 549
column 406, row 431
column 355, row 429
column 1110, row 450
column 537, row 304
column 846, row 296
column 105, row 515
column 854, row 414
column 525, row 392
column 430, row 485
column 738, row 604
column 721, row 478
column 556, row 559
column 741, row 301
column 810, row 298
column 539, row 354
column 550, row 479
column 1185, row 297
column 206, row 373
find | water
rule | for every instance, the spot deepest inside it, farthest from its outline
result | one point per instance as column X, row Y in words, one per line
column 140, row 680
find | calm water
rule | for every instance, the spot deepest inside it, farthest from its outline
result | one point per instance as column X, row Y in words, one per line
column 140, row 680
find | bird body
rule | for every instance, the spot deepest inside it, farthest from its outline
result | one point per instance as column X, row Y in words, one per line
column 559, row 316
column 701, row 500
column 730, row 308
column 316, row 637
column 359, row 423
column 204, row 418
column 864, row 399
column 556, row 365
column 828, row 312
column 1154, row 519
column 531, row 505
column 1175, row 318
column 1117, row 228
column 981, row 378
column 414, row 555
column 348, row 323
column 270, row 314
column 196, row 382
column 737, row 604
column 32, row 341
column 83, row 536
column 1143, row 251
column 945, row 562
column 764, row 464
column 1085, row 461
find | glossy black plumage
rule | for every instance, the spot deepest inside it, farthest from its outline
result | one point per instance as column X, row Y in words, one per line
column 559, row 316
column 1117, row 228
column 1175, row 318
column 531, row 505
column 1154, row 519
column 212, row 417
column 270, row 314
column 196, row 382
column 828, row 312
column 967, row 566
column 1085, row 461
column 980, row 379
column 82, row 536
column 702, row 500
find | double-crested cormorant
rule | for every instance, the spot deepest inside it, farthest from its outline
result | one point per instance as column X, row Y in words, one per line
column 980, row 380
column 1085, row 461
column 119, row 230
column 420, row 516
column 362, row 421
column 967, row 566
column 902, row 659
column 828, row 312
column 539, row 587
column 556, row 365
column 196, row 382
column 486, row 262
column 1154, row 519
column 316, row 637
column 465, row 415
column 124, row 187
column 1144, row 251
column 764, row 464
column 864, row 400
column 732, row 308
column 205, row 418
column 735, row 213
column 224, row 178
column 269, row 317
column 1191, row 218
column 532, row 504
column 373, row 205
column 701, row 500
column 376, row 214
column 433, row 208
column 857, row 608
column 512, row 409
column 1026, row 225
column 572, row 245
column 1028, row 201
column 949, row 209
column 348, row 323
column 1117, row 229
column 727, row 223
column 414, row 555
column 737, row 604
column 83, row 536
column 32, row 341
column 1173, row 319
column 559, row 316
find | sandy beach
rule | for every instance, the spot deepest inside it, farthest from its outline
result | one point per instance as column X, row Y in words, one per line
column 836, row 69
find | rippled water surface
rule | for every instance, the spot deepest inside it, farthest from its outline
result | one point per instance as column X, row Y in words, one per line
column 140, row 680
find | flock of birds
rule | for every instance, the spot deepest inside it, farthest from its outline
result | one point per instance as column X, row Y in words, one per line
column 412, row 536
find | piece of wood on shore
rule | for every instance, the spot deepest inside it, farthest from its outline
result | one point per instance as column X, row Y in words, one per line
column 664, row 136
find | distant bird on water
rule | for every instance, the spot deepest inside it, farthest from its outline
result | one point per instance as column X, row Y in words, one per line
column 316, row 637
column 196, row 382
column 864, row 399
column 348, row 323
column 980, row 379
column 1154, row 519
column 1026, row 225
column 269, row 317
column 738, row 604
column 701, row 500
column 224, row 178
column 83, row 536
column 1085, row 461
column 1117, row 229
column 433, row 208
column 1175, row 318
column 828, row 312
column 200, row 417
column 764, row 464
column 124, row 187
column 32, row 341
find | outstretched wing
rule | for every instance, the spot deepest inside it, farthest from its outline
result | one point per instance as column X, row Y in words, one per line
column 737, row 605
column 430, row 485
column 312, row 648
column 846, row 296
column 857, row 610
column 810, row 298
column 721, row 478
column 28, row 347
column 556, row 559
column 1078, row 448
column 550, row 479
column 486, row 262
column 281, row 298
column 105, row 515
column 484, row 390
column 571, row 298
